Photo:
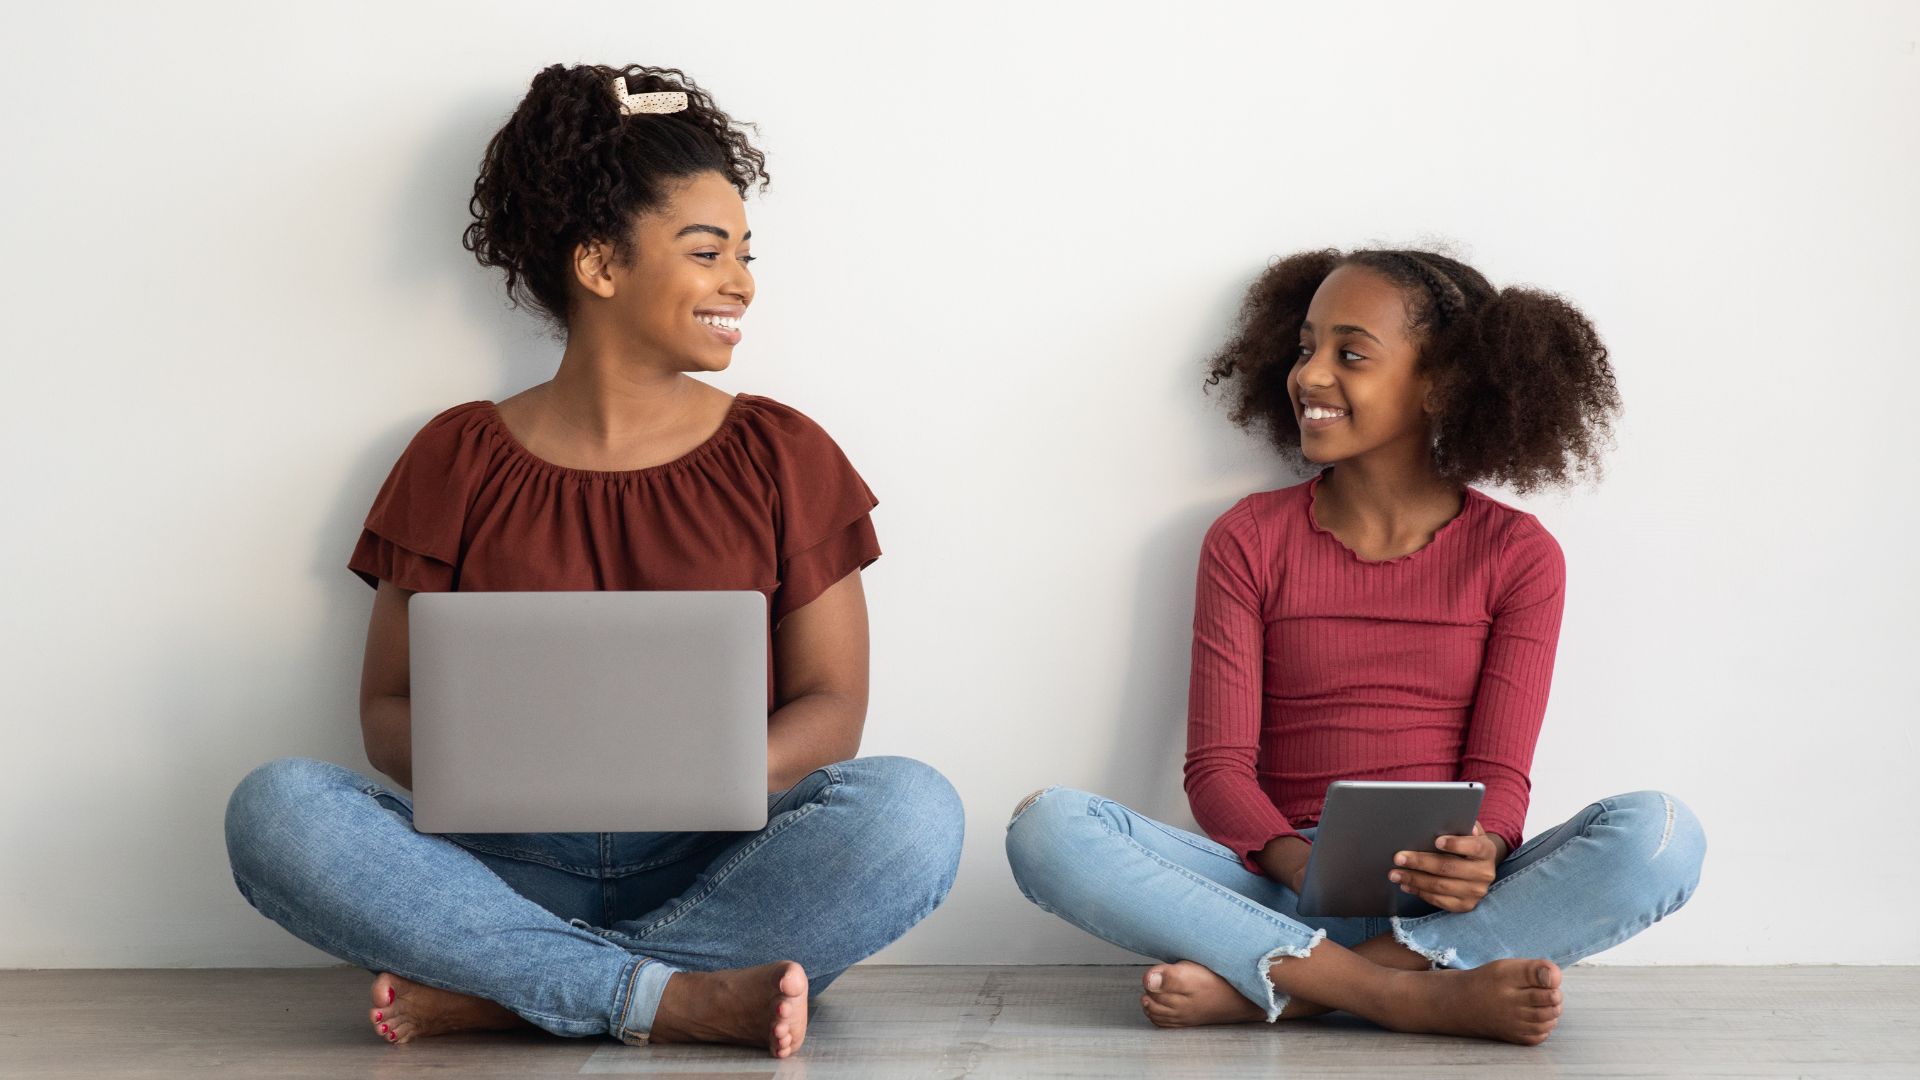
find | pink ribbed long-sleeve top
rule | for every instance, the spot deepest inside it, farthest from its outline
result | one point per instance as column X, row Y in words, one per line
column 1311, row 664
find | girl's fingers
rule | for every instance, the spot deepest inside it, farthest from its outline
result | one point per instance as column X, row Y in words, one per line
column 1442, row 866
column 1428, row 886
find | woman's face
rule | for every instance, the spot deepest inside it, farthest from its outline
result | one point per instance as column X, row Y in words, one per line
column 1353, row 385
column 681, row 293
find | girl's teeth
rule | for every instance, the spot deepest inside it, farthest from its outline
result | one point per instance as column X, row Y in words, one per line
column 1314, row 412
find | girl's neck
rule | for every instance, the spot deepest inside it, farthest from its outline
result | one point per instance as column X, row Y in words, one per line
column 1386, row 496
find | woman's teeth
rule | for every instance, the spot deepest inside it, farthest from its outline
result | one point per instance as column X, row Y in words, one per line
column 1315, row 412
column 724, row 322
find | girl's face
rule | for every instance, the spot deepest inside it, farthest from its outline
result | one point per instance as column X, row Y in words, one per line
column 1353, row 385
column 682, row 293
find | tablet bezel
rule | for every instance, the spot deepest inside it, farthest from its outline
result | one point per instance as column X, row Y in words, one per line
column 1363, row 824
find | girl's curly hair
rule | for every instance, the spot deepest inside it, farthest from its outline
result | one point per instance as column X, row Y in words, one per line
column 568, row 167
column 1523, row 393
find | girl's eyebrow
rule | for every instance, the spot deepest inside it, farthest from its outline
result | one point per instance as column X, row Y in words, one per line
column 1346, row 328
column 714, row 230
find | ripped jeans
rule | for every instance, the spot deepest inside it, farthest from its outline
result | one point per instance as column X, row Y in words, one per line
column 1604, row 875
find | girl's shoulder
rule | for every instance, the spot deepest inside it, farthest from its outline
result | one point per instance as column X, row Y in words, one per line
column 1514, row 527
column 1268, row 513
column 1268, row 518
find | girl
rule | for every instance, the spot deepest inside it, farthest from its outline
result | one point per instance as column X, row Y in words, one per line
column 1385, row 621
column 612, row 199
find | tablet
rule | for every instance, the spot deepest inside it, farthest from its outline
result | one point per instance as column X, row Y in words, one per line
column 1363, row 826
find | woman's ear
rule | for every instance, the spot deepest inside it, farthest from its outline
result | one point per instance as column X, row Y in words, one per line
column 593, row 268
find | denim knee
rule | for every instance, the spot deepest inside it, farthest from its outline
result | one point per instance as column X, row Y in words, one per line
column 920, row 808
column 1043, row 822
column 272, row 794
column 1664, row 840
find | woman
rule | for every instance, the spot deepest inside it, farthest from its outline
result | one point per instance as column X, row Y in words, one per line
column 612, row 199
column 1383, row 621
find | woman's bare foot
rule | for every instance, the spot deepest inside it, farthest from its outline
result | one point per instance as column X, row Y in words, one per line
column 1515, row 1001
column 1185, row 994
column 404, row 1010
column 756, row 1006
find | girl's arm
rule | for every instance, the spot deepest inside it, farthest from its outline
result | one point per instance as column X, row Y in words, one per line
column 820, row 684
column 1515, row 674
column 1224, row 704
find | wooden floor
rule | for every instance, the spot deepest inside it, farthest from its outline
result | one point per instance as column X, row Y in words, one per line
column 950, row 1022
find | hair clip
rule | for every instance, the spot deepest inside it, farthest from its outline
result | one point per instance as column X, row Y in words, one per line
column 663, row 101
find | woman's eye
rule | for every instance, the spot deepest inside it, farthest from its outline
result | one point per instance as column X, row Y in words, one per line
column 707, row 255
column 749, row 258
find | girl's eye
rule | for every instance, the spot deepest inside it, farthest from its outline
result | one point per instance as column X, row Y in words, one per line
column 1305, row 351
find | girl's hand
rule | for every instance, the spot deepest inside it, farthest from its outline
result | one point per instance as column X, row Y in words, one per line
column 1455, row 878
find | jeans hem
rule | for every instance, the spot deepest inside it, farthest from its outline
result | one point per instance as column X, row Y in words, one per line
column 625, row 1025
column 1435, row 958
column 1277, row 1001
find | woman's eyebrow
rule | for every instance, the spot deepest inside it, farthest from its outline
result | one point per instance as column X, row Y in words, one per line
column 712, row 229
column 1346, row 328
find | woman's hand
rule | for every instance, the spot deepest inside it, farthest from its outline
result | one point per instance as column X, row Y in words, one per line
column 1455, row 878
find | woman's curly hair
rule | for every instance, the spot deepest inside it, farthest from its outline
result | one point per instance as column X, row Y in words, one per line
column 1523, row 394
column 569, row 167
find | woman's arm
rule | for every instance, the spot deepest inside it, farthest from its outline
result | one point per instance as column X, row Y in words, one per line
column 386, row 710
column 820, row 684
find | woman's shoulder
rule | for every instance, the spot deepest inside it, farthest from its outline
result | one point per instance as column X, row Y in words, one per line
column 777, row 418
column 778, row 430
column 451, row 426
column 447, row 439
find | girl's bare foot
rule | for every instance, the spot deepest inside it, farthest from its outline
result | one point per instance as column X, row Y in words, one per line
column 1185, row 994
column 756, row 1006
column 1515, row 1001
column 404, row 1010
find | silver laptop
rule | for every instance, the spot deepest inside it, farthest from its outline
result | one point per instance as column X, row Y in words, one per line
column 589, row 711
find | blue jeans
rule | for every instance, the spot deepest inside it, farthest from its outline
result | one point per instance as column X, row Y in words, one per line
column 578, row 932
column 1609, row 872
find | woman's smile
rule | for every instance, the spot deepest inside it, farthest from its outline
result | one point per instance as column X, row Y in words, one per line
column 722, row 322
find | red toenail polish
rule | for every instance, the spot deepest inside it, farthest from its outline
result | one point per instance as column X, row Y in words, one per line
column 383, row 1029
column 378, row 1015
column 389, row 995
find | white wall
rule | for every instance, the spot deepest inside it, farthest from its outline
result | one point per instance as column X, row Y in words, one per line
column 1000, row 241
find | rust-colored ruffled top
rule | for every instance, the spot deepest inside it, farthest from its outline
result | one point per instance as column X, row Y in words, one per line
column 768, row 503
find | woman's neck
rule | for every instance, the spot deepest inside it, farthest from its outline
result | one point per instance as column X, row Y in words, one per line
column 610, row 397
